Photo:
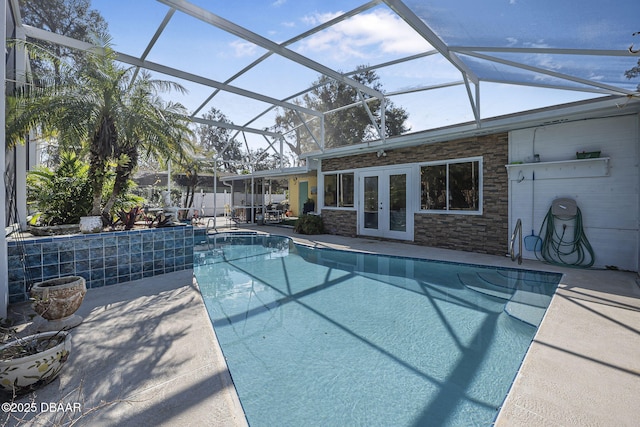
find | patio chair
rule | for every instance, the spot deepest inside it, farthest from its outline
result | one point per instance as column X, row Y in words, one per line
column 234, row 218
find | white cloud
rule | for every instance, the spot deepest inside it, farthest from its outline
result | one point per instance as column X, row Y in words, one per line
column 241, row 48
column 367, row 35
column 278, row 3
column 319, row 18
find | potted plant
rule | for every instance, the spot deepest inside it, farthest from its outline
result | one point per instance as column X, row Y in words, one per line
column 56, row 301
column 33, row 361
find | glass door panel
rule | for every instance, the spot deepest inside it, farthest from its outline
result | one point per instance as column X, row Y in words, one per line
column 398, row 202
column 371, row 202
column 385, row 208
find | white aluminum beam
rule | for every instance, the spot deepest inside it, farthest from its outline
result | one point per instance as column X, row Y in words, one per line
column 424, row 88
column 131, row 60
column 475, row 105
column 302, row 36
column 234, row 127
column 408, row 58
column 414, row 21
column 232, row 28
column 539, row 50
column 320, row 144
column 15, row 10
column 373, row 67
column 550, row 86
column 158, row 32
column 48, row 36
column 612, row 89
column 372, row 119
column 213, row 83
column 154, row 39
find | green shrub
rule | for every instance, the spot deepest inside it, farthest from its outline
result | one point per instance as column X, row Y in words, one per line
column 60, row 196
column 63, row 195
column 309, row 224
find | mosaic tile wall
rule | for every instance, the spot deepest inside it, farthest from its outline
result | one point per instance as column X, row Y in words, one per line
column 102, row 259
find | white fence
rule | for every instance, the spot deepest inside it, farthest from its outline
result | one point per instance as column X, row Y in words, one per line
column 204, row 202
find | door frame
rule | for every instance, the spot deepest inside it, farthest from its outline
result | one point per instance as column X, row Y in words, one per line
column 301, row 199
column 383, row 175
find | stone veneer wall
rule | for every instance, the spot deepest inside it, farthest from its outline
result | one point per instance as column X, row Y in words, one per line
column 486, row 233
column 340, row 222
column 102, row 258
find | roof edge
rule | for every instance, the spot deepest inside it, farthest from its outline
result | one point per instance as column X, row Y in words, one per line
column 562, row 113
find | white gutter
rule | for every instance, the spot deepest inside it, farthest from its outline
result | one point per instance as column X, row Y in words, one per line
column 269, row 174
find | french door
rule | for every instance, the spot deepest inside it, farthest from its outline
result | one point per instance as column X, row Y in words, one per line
column 385, row 208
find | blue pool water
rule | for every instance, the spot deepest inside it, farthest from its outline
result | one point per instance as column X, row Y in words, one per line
column 317, row 337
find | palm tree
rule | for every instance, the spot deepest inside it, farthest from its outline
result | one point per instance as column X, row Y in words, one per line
column 190, row 172
column 115, row 113
column 150, row 127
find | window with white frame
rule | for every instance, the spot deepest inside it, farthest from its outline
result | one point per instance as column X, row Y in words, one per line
column 339, row 190
column 451, row 186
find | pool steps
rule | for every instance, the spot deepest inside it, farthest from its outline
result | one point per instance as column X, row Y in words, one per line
column 526, row 301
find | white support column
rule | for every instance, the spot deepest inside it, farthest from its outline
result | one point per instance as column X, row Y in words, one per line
column 383, row 119
column 215, row 193
column 21, row 166
column 21, row 183
column 322, row 135
column 4, row 255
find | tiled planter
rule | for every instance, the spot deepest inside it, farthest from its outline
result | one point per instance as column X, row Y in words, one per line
column 102, row 258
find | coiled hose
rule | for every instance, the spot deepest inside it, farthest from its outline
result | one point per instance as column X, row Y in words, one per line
column 576, row 252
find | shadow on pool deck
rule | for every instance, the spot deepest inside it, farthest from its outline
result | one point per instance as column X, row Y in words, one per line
column 144, row 354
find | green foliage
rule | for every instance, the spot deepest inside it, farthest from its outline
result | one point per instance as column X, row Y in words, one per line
column 116, row 114
column 63, row 195
column 309, row 224
column 71, row 18
column 219, row 141
column 343, row 126
column 126, row 199
column 633, row 72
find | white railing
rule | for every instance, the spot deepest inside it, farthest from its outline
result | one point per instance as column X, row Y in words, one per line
column 517, row 231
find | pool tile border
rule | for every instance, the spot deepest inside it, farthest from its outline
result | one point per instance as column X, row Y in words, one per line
column 102, row 258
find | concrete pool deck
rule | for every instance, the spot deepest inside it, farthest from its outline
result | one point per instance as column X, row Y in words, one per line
column 146, row 353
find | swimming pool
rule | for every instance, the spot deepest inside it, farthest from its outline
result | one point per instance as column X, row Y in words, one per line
column 327, row 337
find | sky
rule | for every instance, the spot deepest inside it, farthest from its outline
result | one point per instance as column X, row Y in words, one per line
column 376, row 36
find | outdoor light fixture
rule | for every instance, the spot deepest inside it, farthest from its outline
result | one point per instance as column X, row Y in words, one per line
column 381, row 153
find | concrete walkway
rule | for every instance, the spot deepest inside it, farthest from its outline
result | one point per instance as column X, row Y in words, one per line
column 146, row 353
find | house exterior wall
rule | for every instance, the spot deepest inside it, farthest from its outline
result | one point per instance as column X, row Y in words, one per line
column 484, row 233
column 340, row 222
column 608, row 202
column 294, row 193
